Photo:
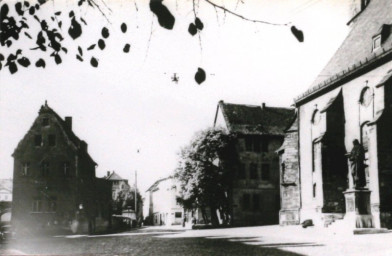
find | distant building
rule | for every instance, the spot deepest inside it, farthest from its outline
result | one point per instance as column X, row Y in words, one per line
column 351, row 99
column 118, row 184
column 163, row 206
column 260, row 132
column 54, row 183
column 5, row 194
column 6, row 190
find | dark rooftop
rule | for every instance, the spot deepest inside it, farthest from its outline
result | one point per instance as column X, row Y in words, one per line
column 258, row 120
column 356, row 50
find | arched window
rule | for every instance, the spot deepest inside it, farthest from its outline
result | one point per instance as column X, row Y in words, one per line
column 316, row 117
column 366, row 97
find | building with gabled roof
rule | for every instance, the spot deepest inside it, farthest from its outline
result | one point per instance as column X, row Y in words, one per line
column 351, row 99
column 259, row 131
column 54, row 179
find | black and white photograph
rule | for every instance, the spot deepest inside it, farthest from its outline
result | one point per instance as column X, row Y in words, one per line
column 196, row 127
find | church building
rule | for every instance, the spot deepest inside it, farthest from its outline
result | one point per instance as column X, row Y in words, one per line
column 351, row 99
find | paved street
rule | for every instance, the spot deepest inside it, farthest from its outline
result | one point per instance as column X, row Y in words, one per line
column 268, row 240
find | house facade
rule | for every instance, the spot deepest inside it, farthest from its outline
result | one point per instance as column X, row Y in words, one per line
column 118, row 184
column 350, row 100
column 260, row 132
column 163, row 207
column 54, row 183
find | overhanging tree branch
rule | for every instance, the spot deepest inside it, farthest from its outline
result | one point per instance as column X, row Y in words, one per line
column 245, row 18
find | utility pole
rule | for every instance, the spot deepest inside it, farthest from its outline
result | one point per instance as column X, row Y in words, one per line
column 136, row 193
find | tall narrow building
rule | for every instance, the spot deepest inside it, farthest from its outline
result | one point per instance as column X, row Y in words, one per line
column 54, row 177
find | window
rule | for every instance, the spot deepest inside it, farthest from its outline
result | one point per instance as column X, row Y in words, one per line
column 37, row 206
column 66, row 169
column 376, row 42
column 45, row 169
column 256, row 144
column 248, row 144
column 253, row 171
column 52, row 140
column 316, row 117
column 178, row 214
column 45, row 121
column 264, row 145
column 246, row 202
column 38, row 140
column 26, row 169
column 283, row 170
column 314, row 190
column 366, row 97
column 256, row 202
column 52, row 206
column 242, row 171
column 265, row 172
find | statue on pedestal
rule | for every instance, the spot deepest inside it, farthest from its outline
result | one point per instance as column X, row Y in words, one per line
column 357, row 162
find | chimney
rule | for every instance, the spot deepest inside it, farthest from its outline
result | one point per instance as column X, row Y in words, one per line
column 68, row 122
column 263, row 105
column 356, row 7
column 108, row 173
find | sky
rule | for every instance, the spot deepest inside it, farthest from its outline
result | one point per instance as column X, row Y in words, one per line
column 131, row 113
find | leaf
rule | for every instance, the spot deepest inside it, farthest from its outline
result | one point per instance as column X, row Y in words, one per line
column 9, row 43
column 126, row 48
column 80, row 51
column 75, row 30
column 37, row 6
column 4, row 11
column 105, row 32
column 165, row 18
column 28, row 35
column 200, row 76
column 91, row 47
column 26, row 3
column 192, row 29
column 12, row 67
column 64, row 49
column 32, row 10
column 57, row 59
column 79, row 57
column 199, row 24
column 80, row 2
column 71, row 14
column 101, row 44
column 1, row 57
column 40, row 63
column 60, row 23
column 25, row 62
column 124, row 27
column 18, row 8
column 41, row 2
column 297, row 33
column 94, row 62
column 57, row 13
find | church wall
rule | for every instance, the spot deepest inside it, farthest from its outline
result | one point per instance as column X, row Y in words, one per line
column 355, row 115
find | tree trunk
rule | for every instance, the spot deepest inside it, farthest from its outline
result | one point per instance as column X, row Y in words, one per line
column 214, row 217
column 204, row 215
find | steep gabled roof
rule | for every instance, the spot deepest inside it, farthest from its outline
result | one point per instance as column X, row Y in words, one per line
column 356, row 51
column 77, row 143
column 257, row 120
column 114, row 176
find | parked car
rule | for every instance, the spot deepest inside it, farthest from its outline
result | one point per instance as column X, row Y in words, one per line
column 6, row 232
column 5, row 226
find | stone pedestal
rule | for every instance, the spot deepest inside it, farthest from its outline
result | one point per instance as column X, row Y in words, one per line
column 358, row 211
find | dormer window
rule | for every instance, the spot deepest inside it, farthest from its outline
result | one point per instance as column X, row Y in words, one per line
column 382, row 34
column 45, row 121
column 376, row 43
